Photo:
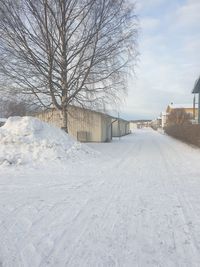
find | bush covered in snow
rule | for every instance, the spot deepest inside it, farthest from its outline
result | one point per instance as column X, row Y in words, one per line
column 27, row 139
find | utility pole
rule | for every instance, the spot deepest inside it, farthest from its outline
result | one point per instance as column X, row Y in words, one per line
column 199, row 109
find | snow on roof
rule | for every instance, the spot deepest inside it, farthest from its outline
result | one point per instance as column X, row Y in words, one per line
column 3, row 120
column 27, row 140
column 174, row 106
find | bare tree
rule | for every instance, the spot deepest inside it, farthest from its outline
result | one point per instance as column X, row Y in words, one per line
column 178, row 117
column 67, row 51
column 14, row 106
column 10, row 108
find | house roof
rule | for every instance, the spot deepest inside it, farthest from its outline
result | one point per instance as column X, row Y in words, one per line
column 176, row 106
column 196, row 88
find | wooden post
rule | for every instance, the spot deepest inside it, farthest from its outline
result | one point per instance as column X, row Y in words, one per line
column 194, row 108
column 199, row 109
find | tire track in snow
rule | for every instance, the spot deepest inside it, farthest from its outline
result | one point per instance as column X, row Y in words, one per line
column 180, row 211
column 114, row 188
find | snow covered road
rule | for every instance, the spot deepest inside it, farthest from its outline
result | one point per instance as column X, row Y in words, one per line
column 138, row 204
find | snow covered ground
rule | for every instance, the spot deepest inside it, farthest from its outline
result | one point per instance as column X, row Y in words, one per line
column 136, row 203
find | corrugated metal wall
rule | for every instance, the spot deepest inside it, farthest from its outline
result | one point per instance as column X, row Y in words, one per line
column 106, row 131
column 83, row 124
column 120, row 128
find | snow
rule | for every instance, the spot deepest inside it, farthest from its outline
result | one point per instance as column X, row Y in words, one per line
column 2, row 120
column 136, row 204
column 27, row 140
column 176, row 106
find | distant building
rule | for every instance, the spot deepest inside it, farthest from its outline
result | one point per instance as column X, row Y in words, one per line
column 189, row 108
column 163, row 119
column 133, row 125
column 155, row 124
column 159, row 121
column 138, row 124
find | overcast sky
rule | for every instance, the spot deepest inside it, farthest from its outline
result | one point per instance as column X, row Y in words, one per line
column 169, row 62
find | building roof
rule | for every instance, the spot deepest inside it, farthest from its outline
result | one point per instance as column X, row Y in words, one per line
column 176, row 106
column 135, row 121
column 196, row 88
column 85, row 109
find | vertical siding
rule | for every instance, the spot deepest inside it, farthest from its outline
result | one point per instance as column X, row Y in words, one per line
column 120, row 128
column 53, row 117
column 79, row 120
column 106, row 132
column 95, row 125
column 128, row 128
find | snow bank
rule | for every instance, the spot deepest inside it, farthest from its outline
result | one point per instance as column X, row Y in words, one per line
column 3, row 120
column 27, row 140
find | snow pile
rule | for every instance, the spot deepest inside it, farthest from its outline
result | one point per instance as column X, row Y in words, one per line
column 28, row 140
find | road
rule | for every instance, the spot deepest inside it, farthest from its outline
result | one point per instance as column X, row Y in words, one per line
column 136, row 204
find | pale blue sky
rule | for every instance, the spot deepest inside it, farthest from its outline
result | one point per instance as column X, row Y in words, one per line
column 169, row 64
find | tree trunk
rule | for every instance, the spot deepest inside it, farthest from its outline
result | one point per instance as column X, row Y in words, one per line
column 64, row 120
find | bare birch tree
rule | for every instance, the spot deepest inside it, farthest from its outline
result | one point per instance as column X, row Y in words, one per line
column 67, row 52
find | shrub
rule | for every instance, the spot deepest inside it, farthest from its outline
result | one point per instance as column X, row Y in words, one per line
column 189, row 133
column 178, row 117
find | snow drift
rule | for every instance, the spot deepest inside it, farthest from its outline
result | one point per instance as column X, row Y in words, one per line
column 27, row 139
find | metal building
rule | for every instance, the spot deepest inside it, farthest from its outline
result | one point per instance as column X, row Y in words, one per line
column 85, row 125
column 120, row 127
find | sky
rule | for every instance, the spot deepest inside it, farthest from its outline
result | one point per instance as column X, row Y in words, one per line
column 169, row 61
